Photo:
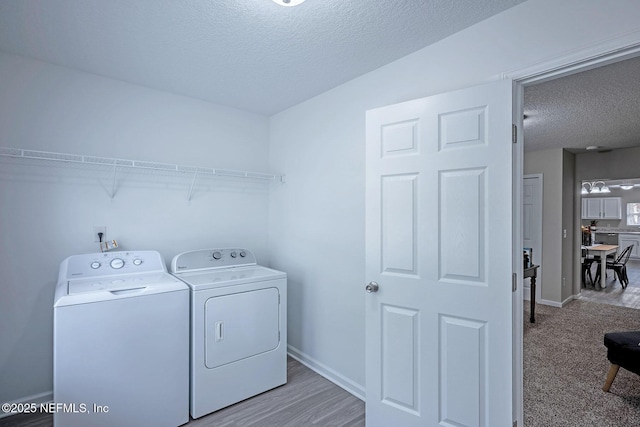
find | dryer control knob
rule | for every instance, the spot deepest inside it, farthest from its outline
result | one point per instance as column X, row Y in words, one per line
column 217, row 255
column 233, row 254
column 243, row 254
column 116, row 263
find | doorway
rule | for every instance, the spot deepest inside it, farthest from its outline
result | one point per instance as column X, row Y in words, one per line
column 548, row 72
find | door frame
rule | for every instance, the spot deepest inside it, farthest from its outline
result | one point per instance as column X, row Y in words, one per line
column 608, row 52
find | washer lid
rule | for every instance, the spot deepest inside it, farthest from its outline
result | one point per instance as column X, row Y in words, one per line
column 215, row 278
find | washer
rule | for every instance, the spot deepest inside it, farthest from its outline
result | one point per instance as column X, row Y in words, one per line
column 120, row 342
column 238, row 326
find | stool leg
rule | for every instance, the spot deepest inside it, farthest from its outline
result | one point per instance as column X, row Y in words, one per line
column 613, row 371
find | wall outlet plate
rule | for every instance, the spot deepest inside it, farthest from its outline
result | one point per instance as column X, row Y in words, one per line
column 99, row 229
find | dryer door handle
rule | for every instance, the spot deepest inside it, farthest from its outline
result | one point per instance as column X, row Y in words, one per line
column 219, row 331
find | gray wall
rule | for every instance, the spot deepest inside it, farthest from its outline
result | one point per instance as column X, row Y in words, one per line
column 569, row 190
column 616, row 164
column 550, row 164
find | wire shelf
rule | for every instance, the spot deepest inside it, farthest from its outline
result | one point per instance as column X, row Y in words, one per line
column 196, row 171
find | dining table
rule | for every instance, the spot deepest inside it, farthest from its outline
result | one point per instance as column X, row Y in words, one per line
column 602, row 251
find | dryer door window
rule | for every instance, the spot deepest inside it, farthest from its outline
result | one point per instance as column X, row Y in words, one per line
column 241, row 325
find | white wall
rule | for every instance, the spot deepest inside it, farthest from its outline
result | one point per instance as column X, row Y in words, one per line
column 48, row 211
column 316, row 222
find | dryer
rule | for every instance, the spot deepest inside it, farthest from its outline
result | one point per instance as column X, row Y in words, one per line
column 238, row 326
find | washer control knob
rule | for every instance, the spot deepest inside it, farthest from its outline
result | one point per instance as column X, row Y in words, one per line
column 95, row 264
column 233, row 254
column 137, row 261
column 217, row 255
column 243, row 254
column 116, row 263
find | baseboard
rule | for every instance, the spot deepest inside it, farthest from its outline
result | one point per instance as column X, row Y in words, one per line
column 551, row 303
column 554, row 303
column 341, row 381
column 39, row 398
column 567, row 300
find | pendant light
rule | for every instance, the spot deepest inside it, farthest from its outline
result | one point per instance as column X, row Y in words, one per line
column 596, row 187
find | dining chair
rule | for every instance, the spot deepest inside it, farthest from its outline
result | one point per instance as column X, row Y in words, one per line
column 587, row 261
column 619, row 266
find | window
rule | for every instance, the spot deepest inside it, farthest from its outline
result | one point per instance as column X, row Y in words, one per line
column 633, row 213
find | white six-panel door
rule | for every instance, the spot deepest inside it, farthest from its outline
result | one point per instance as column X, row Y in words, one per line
column 439, row 245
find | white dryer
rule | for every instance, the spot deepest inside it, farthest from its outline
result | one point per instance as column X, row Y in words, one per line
column 120, row 342
column 238, row 326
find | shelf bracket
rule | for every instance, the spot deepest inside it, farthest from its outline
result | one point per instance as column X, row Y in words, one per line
column 113, row 183
column 193, row 182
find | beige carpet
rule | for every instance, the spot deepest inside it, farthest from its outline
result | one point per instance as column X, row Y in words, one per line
column 565, row 366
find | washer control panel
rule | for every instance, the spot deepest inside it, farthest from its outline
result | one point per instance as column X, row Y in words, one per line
column 113, row 263
column 212, row 258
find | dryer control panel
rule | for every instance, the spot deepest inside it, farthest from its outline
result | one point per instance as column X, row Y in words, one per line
column 206, row 259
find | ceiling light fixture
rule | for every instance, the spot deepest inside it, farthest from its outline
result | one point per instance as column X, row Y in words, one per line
column 288, row 2
column 626, row 186
column 595, row 187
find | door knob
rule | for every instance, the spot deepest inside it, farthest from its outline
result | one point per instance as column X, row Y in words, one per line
column 371, row 287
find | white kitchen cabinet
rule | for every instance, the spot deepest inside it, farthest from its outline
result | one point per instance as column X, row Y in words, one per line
column 591, row 208
column 625, row 240
column 601, row 208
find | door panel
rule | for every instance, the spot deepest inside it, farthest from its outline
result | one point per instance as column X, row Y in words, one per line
column 400, row 369
column 439, row 243
column 399, row 196
column 462, row 244
column 463, row 370
column 399, row 138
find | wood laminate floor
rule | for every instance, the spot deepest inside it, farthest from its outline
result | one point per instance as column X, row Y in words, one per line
column 307, row 399
column 614, row 294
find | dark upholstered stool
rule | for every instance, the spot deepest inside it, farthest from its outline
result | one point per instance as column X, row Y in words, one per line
column 623, row 350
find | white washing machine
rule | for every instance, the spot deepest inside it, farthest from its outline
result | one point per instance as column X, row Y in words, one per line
column 120, row 342
column 238, row 326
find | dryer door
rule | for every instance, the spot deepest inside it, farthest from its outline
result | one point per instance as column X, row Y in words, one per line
column 241, row 325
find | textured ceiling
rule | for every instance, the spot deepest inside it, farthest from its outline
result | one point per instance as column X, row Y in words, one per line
column 599, row 107
column 250, row 54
